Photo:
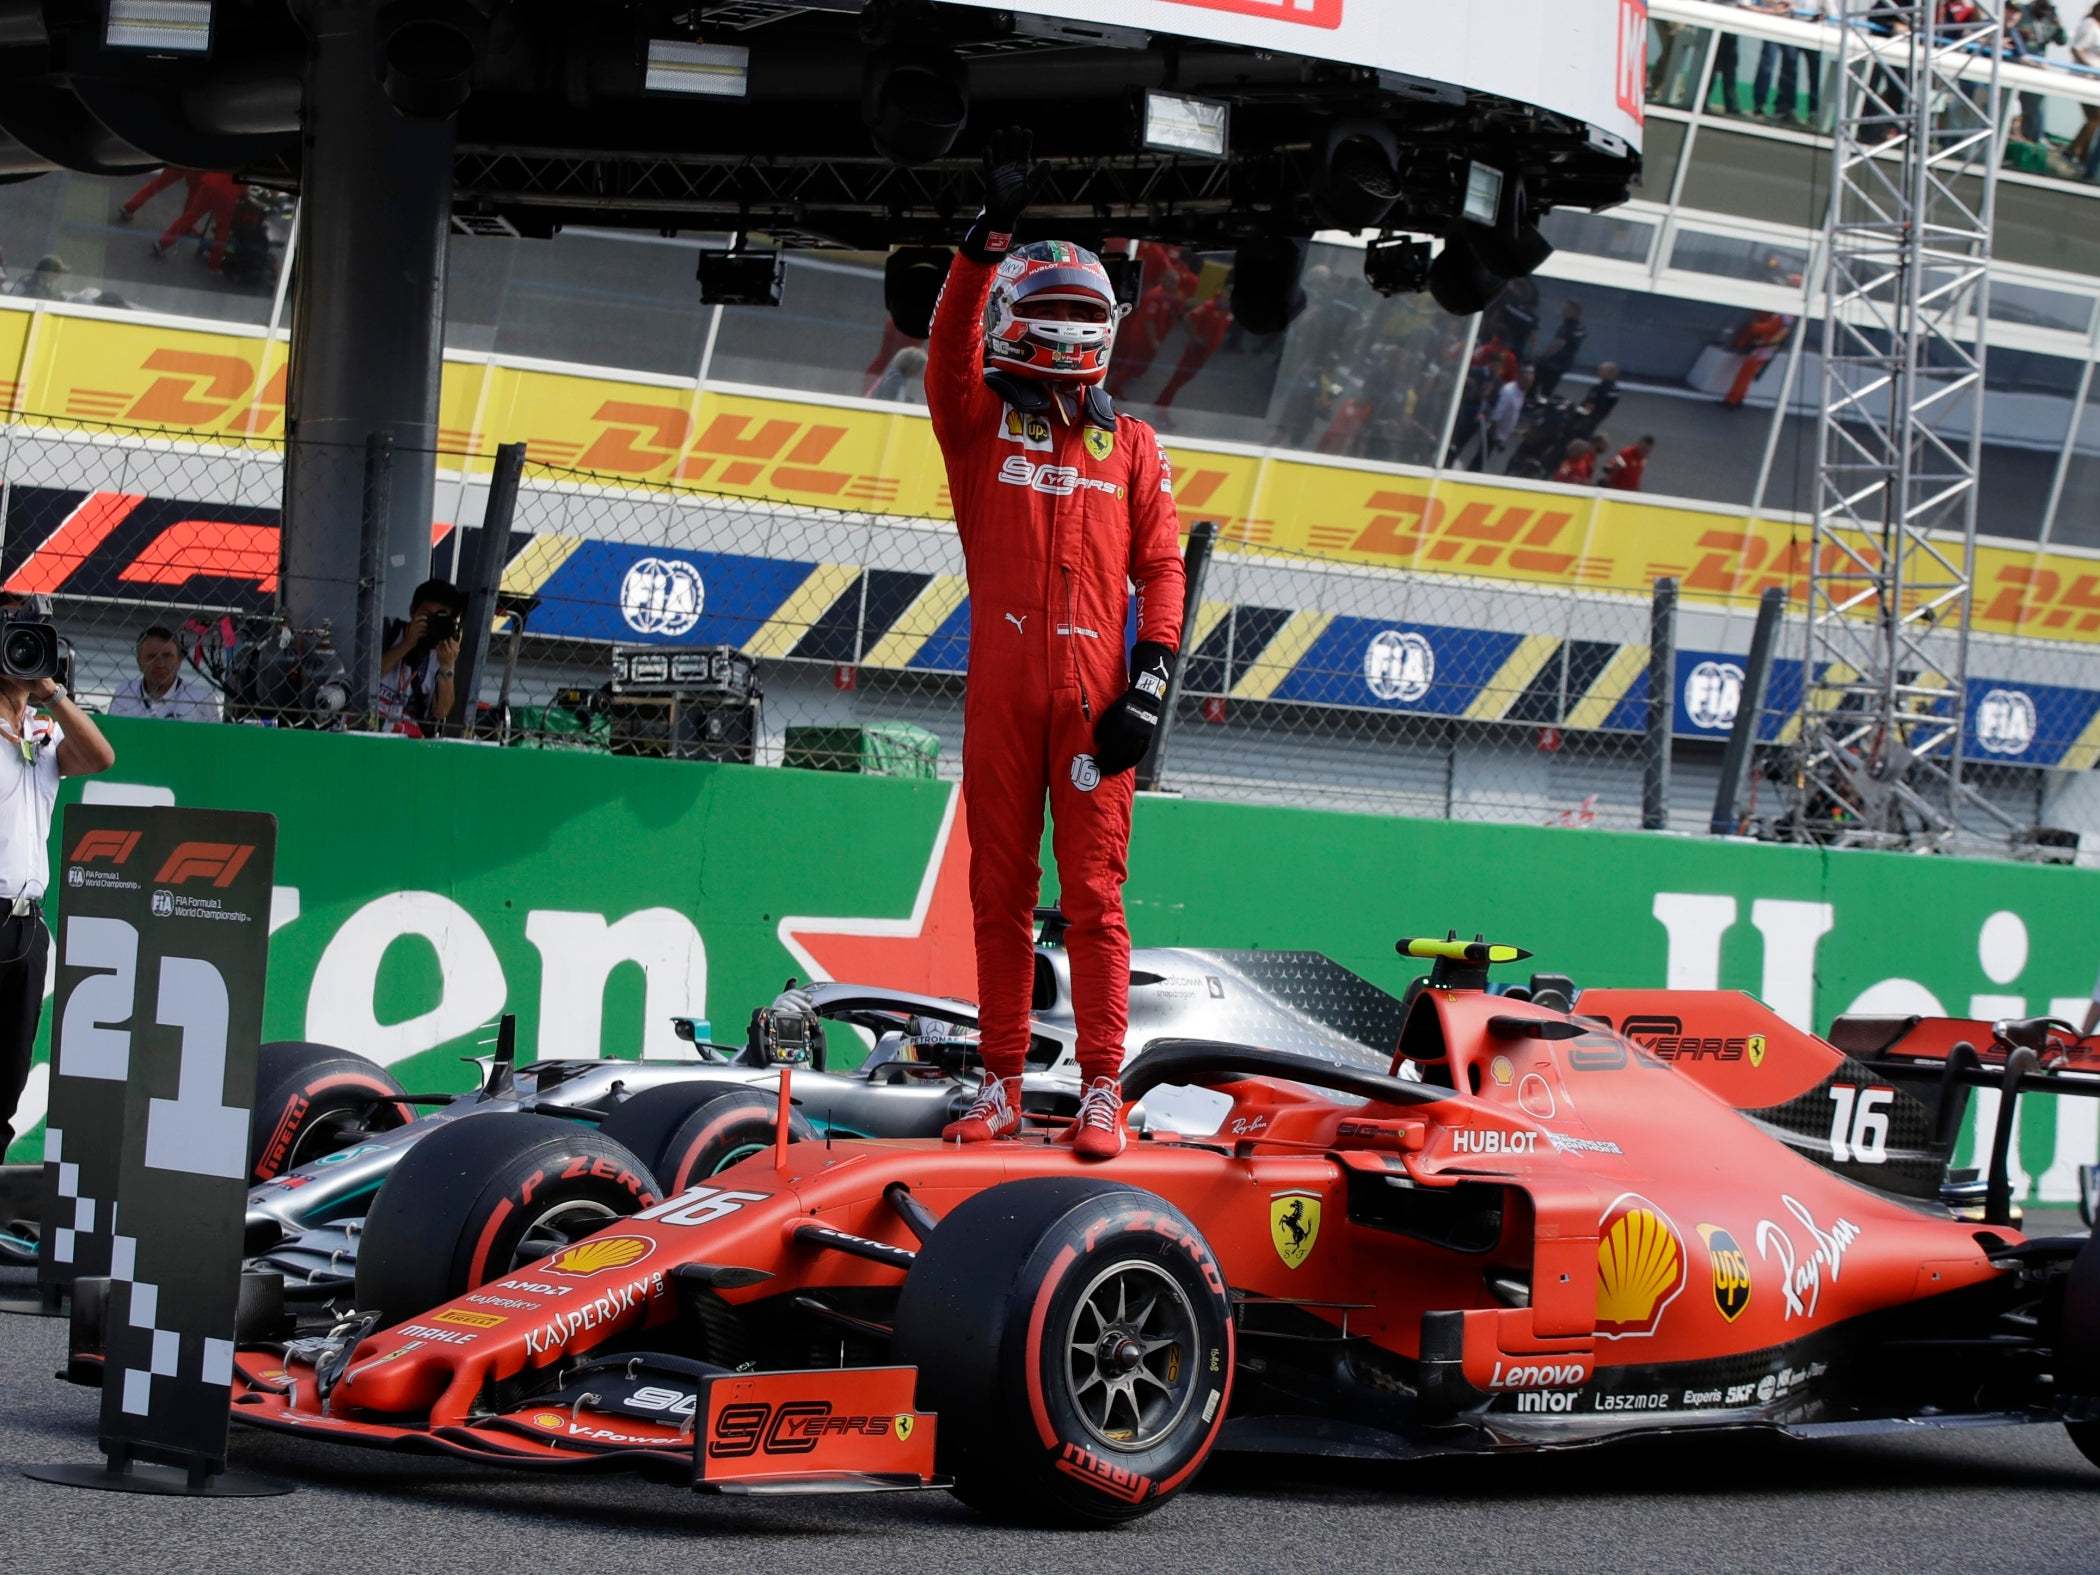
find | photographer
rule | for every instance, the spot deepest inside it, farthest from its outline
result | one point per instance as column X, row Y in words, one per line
column 45, row 736
column 416, row 672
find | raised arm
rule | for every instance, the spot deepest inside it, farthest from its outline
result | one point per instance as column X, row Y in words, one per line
column 955, row 392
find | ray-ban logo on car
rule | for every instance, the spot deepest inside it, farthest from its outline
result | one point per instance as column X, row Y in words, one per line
column 1312, row 13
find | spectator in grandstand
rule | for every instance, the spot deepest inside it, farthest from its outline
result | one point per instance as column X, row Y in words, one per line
column 162, row 689
column 1505, row 410
column 213, row 199
column 1778, row 66
column 904, row 379
column 1628, row 466
column 416, row 673
column 44, row 737
column 171, row 175
column 46, row 280
column 2029, row 37
column 1602, row 399
column 2085, row 49
column 1577, row 465
column 1560, row 354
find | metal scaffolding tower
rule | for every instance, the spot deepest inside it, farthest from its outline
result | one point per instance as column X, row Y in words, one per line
column 1908, row 247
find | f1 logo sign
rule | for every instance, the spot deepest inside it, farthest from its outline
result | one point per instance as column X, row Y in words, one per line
column 221, row 861
column 1311, row 13
column 1633, row 59
column 115, row 846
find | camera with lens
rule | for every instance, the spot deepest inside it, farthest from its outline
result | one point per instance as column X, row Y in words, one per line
column 286, row 677
column 440, row 626
column 30, row 646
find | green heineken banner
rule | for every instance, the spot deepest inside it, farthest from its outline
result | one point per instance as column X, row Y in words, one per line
column 423, row 889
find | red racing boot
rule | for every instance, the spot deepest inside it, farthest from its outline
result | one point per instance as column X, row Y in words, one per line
column 1098, row 1133
column 995, row 1113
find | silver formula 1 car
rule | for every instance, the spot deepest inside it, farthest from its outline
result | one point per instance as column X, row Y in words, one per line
column 336, row 1139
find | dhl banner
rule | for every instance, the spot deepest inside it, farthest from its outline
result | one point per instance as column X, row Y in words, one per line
column 88, row 373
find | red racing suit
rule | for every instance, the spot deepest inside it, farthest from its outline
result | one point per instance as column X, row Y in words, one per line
column 1057, row 520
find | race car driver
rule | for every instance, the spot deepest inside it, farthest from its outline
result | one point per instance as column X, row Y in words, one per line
column 1062, row 504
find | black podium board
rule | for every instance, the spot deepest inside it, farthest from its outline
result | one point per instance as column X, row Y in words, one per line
column 163, row 948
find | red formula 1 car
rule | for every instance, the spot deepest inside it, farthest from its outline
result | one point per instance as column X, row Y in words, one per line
column 1666, row 1211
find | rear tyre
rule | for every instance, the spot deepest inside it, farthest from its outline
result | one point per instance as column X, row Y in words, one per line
column 312, row 1100
column 688, row 1131
column 1074, row 1338
column 483, row 1196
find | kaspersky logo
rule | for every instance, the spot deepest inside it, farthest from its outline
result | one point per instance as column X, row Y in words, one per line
column 218, row 862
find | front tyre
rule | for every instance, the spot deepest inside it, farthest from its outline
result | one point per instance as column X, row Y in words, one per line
column 1075, row 1339
column 312, row 1100
column 483, row 1196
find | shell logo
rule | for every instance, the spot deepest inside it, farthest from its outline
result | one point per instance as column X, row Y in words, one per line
column 601, row 1254
column 1640, row 1267
column 552, row 1421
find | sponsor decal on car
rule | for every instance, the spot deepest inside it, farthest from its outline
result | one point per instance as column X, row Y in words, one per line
column 424, row 1331
column 601, row 1255
column 599, row 1310
column 515, row 1304
column 534, row 1288
column 1570, row 1372
column 1640, row 1267
column 1731, row 1271
column 1501, row 1071
column 1564, row 1144
column 1801, row 1272
column 1639, row 1402
column 794, row 1427
column 469, row 1320
column 1469, row 1140
column 1294, row 1225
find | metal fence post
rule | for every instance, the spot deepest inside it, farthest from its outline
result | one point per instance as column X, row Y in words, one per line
column 485, row 579
column 369, row 641
column 1750, row 706
column 1203, row 536
column 1662, row 706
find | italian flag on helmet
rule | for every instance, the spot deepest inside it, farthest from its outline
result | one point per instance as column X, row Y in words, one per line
column 1053, row 348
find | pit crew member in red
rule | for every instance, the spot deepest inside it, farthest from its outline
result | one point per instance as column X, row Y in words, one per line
column 1062, row 505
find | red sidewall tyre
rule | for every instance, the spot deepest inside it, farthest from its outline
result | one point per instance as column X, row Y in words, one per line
column 665, row 1126
column 302, row 1092
column 453, row 1214
column 724, row 1131
column 990, row 1313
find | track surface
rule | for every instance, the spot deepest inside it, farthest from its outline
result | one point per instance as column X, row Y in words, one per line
column 2020, row 1499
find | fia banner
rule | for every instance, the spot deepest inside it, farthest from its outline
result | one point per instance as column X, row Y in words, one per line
column 163, row 948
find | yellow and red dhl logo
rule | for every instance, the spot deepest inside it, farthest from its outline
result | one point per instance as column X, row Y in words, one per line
column 198, row 390
column 1413, row 527
column 664, row 442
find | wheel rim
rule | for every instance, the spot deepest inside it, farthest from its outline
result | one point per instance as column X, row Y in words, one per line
column 737, row 1156
column 560, row 1226
column 1130, row 1355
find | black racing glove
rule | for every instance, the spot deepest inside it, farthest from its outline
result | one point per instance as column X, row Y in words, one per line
column 1124, row 732
column 1009, row 184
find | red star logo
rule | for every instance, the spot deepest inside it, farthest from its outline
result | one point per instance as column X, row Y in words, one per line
column 932, row 952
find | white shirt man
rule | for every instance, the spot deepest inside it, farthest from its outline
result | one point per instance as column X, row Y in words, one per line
column 1508, row 408
column 162, row 689
column 37, row 747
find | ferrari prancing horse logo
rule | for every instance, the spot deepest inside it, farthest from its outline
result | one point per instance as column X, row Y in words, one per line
column 1294, row 1225
column 903, row 1424
column 1100, row 442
